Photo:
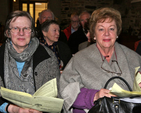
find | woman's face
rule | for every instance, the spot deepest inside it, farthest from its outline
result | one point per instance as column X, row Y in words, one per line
column 88, row 36
column 106, row 34
column 21, row 39
column 52, row 35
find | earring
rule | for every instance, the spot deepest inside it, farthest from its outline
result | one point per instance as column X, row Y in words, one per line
column 117, row 36
column 94, row 38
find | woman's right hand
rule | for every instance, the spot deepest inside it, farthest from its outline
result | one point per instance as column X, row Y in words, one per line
column 16, row 109
column 140, row 84
column 103, row 92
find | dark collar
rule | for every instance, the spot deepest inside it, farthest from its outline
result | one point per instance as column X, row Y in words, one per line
column 39, row 55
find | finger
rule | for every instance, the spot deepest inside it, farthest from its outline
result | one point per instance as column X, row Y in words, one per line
column 113, row 95
column 107, row 91
column 110, row 95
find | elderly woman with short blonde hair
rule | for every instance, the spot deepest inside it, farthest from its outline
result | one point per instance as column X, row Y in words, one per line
column 84, row 77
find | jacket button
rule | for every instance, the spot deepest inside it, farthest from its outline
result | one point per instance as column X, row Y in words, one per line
column 35, row 73
column 25, row 75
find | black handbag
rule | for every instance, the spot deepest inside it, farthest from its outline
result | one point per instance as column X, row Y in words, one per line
column 115, row 104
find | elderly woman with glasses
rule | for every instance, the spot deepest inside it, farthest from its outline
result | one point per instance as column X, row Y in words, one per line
column 84, row 77
column 25, row 65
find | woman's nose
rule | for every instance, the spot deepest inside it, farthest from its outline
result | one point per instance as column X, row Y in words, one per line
column 58, row 32
column 21, row 31
column 106, row 32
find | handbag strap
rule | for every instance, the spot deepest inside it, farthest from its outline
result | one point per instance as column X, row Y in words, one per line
column 117, row 77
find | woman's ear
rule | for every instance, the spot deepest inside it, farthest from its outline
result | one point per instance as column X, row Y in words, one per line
column 7, row 33
column 44, row 33
column 94, row 37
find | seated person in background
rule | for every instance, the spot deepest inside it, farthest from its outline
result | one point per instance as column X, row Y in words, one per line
column 51, row 32
column 79, row 36
column 25, row 64
column 73, row 26
column 37, row 21
column 84, row 77
column 48, row 15
column 90, row 41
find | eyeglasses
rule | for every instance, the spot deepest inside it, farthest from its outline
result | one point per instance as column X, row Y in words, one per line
column 17, row 30
column 116, row 65
column 83, row 20
column 74, row 21
column 47, row 18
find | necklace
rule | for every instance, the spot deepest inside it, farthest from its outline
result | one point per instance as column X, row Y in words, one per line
column 104, row 57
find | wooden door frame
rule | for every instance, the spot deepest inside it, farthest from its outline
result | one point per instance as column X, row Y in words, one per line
column 31, row 1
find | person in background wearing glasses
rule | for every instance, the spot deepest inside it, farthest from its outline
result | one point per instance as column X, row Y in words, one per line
column 84, row 77
column 25, row 65
column 79, row 36
column 74, row 25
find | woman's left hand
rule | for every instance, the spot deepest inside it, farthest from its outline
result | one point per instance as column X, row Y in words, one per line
column 34, row 111
column 16, row 109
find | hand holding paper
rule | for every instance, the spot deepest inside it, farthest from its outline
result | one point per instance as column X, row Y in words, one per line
column 44, row 99
column 117, row 90
column 137, row 80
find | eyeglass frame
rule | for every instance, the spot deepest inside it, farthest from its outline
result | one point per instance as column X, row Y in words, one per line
column 111, row 71
column 75, row 21
column 19, row 29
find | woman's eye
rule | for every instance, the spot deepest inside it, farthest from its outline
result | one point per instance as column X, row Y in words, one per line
column 15, row 28
column 112, row 29
column 100, row 29
column 25, row 28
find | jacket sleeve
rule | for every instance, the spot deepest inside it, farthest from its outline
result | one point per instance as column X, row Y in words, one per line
column 85, row 99
column 2, row 48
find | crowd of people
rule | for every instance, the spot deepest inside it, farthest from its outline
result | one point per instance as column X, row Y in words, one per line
column 82, row 57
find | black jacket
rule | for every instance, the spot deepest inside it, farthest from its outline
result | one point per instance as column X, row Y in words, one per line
column 138, row 50
column 76, row 38
column 64, row 52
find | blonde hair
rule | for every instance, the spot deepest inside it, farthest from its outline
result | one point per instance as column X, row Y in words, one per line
column 100, row 15
column 47, row 10
column 13, row 16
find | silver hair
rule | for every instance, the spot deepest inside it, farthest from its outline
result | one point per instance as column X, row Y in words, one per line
column 47, row 10
column 84, row 12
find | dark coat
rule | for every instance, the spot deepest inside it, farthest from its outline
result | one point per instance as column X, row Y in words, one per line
column 138, row 50
column 76, row 38
column 64, row 52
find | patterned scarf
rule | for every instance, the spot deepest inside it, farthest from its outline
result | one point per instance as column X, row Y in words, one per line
column 25, row 82
column 55, row 49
